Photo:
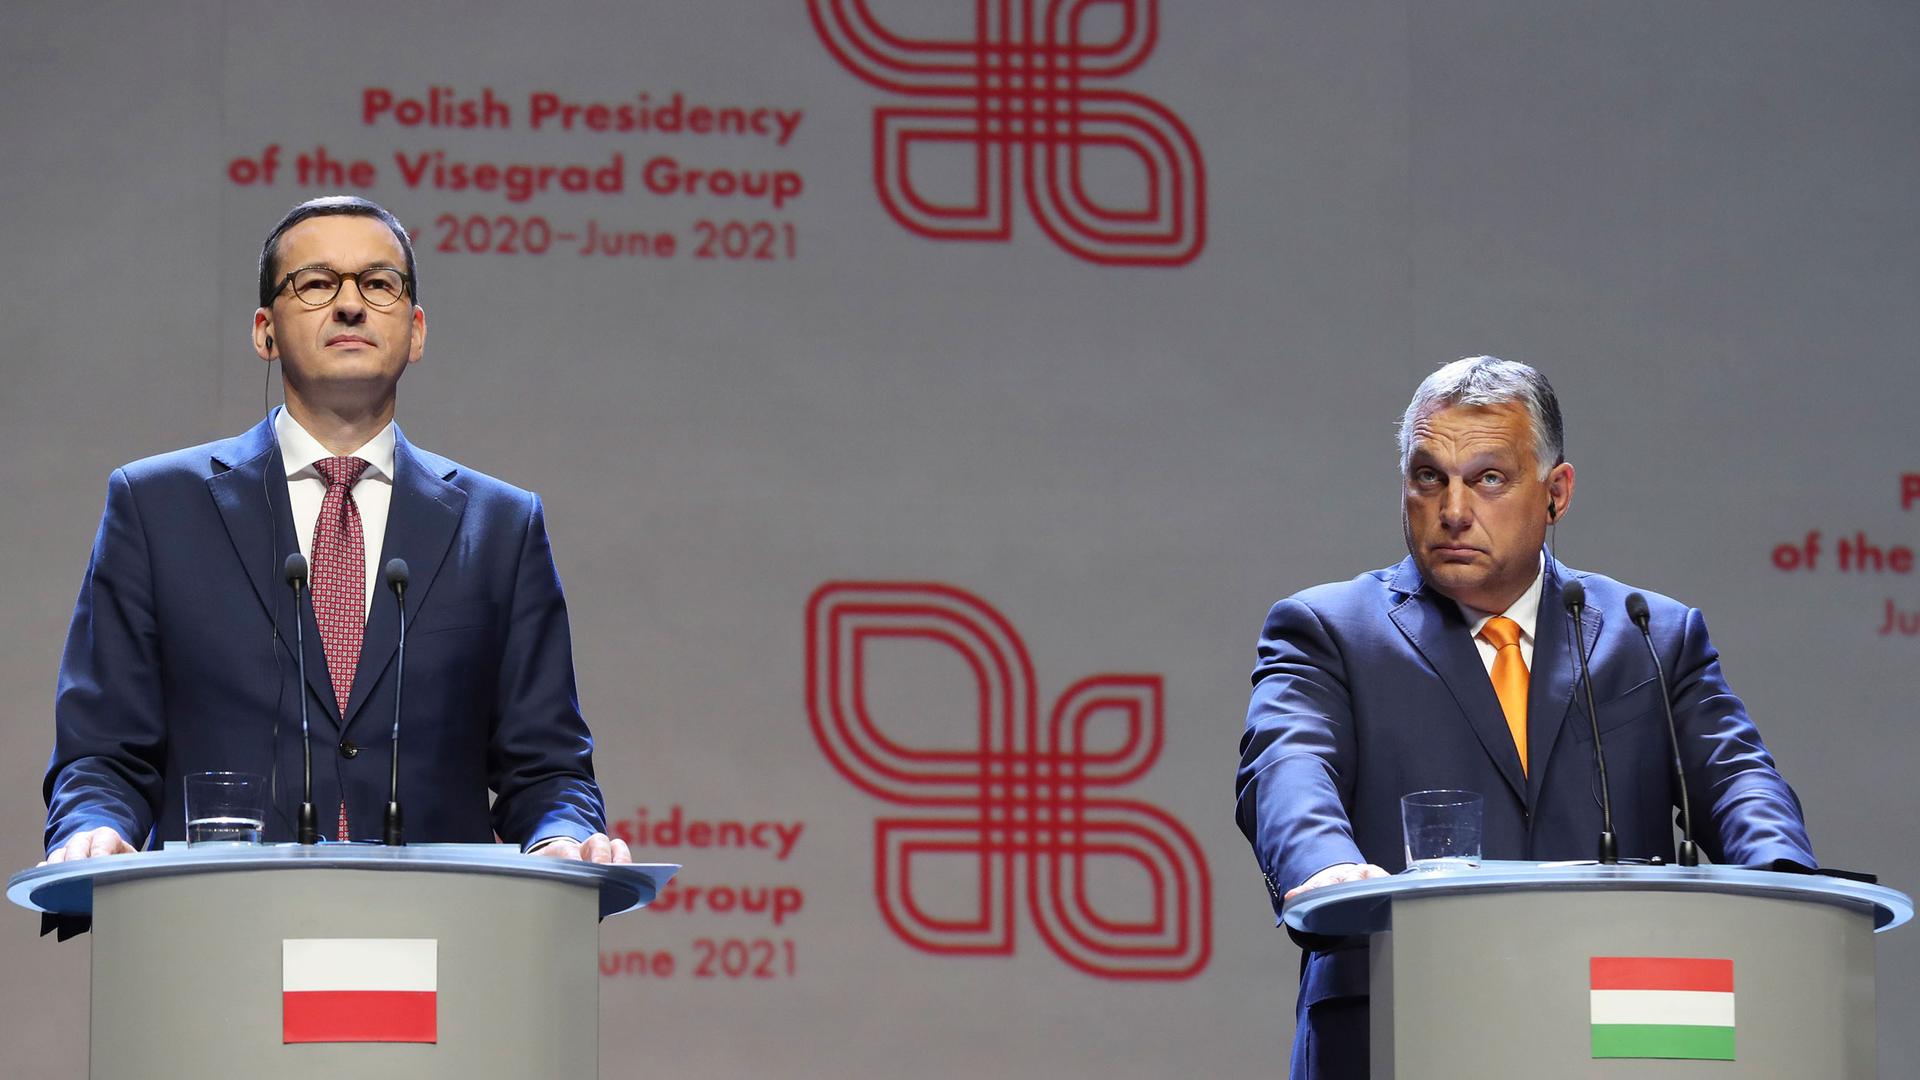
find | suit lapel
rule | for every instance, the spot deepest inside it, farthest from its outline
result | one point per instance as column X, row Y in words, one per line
column 249, row 486
column 1555, row 673
column 1435, row 627
column 421, row 522
column 243, row 468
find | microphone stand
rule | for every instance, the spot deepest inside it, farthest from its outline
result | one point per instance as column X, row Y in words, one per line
column 397, row 576
column 308, row 830
column 1574, row 595
column 1689, row 854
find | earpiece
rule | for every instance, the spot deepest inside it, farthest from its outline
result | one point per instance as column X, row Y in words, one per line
column 1551, row 512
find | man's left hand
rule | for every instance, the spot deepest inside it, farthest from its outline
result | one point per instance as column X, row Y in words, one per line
column 599, row 848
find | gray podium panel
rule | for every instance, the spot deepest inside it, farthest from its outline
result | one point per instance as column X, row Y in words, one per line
column 1454, row 965
column 188, row 945
column 1486, row 973
column 510, row 1004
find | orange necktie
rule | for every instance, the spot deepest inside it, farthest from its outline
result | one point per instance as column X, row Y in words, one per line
column 1509, row 678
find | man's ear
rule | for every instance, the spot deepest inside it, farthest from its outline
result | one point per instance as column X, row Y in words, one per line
column 417, row 333
column 263, row 334
column 1559, row 491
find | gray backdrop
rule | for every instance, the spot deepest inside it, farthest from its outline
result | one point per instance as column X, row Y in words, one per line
column 1697, row 218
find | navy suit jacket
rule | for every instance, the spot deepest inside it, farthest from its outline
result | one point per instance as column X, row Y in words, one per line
column 1371, row 688
column 181, row 659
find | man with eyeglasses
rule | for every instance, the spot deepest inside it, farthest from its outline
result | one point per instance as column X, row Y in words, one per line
column 181, row 654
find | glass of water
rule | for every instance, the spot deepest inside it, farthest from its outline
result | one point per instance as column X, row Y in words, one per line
column 1442, row 829
column 225, row 807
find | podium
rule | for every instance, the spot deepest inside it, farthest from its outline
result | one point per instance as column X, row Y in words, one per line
column 1490, row 973
column 187, row 972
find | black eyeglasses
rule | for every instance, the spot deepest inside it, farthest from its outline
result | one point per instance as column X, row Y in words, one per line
column 316, row 286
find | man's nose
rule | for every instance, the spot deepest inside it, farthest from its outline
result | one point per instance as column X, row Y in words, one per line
column 349, row 306
column 1456, row 506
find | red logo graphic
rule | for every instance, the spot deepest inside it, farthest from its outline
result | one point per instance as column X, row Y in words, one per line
column 1025, row 88
column 1018, row 802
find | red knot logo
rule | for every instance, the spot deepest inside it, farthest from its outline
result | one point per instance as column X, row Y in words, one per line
column 1113, row 177
column 1020, row 809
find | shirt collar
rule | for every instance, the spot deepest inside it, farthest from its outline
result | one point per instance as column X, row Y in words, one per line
column 1525, row 611
column 299, row 450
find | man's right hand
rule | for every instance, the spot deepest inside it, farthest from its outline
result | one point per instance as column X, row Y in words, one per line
column 1336, row 874
column 86, row 845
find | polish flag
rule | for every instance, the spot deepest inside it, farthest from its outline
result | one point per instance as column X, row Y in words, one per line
column 359, row 990
column 1662, row 1007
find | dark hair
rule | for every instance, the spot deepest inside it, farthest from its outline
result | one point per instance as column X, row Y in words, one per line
column 331, row 206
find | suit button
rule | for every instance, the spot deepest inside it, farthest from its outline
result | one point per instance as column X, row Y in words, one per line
column 348, row 749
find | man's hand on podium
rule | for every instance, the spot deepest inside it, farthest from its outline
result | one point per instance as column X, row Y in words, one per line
column 596, row 848
column 85, row 845
column 1337, row 874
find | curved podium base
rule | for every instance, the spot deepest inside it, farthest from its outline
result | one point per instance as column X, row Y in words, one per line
column 188, row 948
column 510, row 999
column 1803, row 984
column 1490, row 973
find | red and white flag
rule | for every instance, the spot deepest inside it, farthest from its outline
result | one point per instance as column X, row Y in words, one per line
column 359, row 990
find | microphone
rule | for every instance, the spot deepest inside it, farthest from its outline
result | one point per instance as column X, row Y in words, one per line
column 295, row 571
column 397, row 577
column 1637, row 611
column 1574, row 596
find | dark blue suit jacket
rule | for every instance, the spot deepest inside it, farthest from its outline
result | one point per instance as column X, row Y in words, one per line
column 181, row 659
column 1372, row 688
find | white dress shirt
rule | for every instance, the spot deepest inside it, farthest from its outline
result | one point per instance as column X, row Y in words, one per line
column 1525, row 612
column 306, row 488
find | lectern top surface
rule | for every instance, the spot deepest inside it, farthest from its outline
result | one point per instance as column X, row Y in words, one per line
column 1364, row 907
column 67, row 888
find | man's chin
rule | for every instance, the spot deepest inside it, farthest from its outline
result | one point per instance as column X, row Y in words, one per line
column 345, row 392
column 1454, row 579
column 352, row 379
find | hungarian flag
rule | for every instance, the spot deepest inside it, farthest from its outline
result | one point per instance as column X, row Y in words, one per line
column 1662, row 1007
column 359, row 990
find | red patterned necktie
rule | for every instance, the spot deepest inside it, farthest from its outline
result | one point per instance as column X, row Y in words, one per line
column 340, row 582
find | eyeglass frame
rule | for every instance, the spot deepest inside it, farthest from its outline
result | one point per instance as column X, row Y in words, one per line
column 406, row 283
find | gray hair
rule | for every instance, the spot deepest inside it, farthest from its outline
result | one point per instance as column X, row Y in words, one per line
column 1480, row 381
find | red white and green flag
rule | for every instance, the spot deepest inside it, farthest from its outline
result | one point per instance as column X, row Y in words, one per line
column 359, row 990
column 1662, row 1007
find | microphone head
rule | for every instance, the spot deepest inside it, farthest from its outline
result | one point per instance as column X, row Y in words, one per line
column 295, row 570
column 1637, row 610
column 397, row 574
column 1574, row 596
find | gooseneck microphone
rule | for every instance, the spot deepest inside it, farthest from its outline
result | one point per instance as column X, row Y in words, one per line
column 1574, row 596
column 397, row 577
column 295, row 571
column 1637, row 611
